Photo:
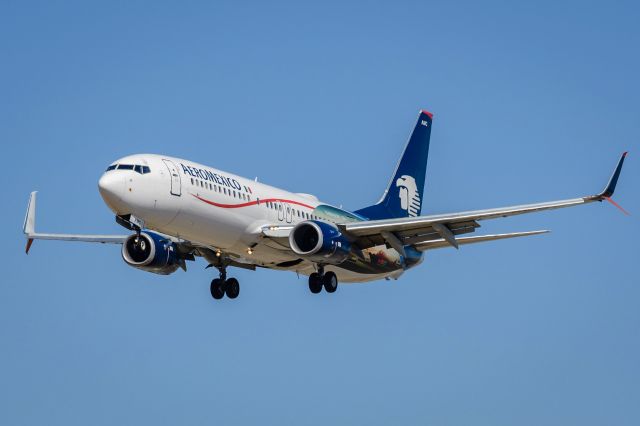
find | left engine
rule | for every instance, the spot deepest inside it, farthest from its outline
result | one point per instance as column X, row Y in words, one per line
column 151, row 252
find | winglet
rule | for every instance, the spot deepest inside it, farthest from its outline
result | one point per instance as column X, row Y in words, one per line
column 29, row 227
column 611, row 186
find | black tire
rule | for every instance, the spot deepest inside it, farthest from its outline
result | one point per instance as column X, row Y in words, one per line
column 232, row 288
column 330, row 282
column 217, row 292
column 315, row 283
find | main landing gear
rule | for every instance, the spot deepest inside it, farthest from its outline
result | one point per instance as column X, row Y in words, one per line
column 223, row 285
column 320, row 279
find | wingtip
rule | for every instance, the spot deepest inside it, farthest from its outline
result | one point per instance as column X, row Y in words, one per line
column 539, row 232
column 613, row 181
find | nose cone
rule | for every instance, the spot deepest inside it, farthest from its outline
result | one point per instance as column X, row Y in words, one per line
column 111, row 186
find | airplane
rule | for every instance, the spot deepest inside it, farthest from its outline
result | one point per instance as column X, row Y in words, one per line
column 176, row 210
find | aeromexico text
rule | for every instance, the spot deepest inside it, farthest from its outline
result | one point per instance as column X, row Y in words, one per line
column 214, row 177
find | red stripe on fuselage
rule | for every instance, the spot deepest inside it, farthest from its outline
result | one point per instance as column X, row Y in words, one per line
column 252, row 203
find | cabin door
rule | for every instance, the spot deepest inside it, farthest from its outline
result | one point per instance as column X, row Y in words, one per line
column 176, row 187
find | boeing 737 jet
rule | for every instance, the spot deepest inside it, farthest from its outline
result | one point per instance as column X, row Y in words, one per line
column 176, row 210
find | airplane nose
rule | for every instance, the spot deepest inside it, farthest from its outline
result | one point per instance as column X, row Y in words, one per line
column 111, row 187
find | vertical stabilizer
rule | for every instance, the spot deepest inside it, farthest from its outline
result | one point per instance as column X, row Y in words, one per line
column 403, row 196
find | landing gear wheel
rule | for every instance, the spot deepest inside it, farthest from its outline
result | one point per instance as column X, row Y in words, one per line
column 330, row 282
column 315, row 283
column 216, row 288
column 232, row 288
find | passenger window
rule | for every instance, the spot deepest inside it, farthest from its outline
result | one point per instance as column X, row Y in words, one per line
column 191, row 181
column 225, row 191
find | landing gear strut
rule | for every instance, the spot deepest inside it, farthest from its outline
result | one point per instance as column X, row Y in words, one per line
column 320, row 279
column 221, row 286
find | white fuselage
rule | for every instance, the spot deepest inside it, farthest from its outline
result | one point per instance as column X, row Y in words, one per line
column 214, row 209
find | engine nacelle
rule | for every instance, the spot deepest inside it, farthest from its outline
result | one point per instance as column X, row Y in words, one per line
column 151, row 252
column 320, row 242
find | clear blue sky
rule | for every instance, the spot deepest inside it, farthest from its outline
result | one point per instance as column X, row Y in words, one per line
column 532, row 102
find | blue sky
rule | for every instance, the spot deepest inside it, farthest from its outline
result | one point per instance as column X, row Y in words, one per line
column 531, row 102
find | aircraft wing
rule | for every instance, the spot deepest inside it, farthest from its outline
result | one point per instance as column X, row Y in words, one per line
column 418, row 231
column 31, row 234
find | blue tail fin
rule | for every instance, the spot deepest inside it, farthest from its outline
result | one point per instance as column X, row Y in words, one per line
column 403, row 196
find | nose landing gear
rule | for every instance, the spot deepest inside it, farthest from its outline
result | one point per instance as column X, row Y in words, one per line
column 320, row 279
column 223, row 285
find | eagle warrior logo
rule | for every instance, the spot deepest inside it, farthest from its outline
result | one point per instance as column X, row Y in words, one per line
column 408, row 193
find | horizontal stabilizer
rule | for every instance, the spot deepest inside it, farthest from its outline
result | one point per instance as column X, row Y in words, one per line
column 440, row 243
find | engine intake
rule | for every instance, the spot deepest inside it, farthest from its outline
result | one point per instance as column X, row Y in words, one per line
column 151, row 252
column 320, row 242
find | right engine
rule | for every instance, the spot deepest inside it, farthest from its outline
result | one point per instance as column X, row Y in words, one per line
column 320, row 242
column 151, row 252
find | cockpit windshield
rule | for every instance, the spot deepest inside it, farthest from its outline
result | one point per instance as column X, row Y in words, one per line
column 135, row 167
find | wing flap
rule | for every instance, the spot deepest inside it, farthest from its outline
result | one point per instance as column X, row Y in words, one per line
column 441, row 243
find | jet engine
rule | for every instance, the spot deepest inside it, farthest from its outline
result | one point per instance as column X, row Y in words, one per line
column 319, row 242
column 151, row 252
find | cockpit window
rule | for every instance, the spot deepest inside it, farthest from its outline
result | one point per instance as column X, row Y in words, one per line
column 135, row 167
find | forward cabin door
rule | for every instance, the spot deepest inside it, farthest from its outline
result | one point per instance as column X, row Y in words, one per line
column 176, row 186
